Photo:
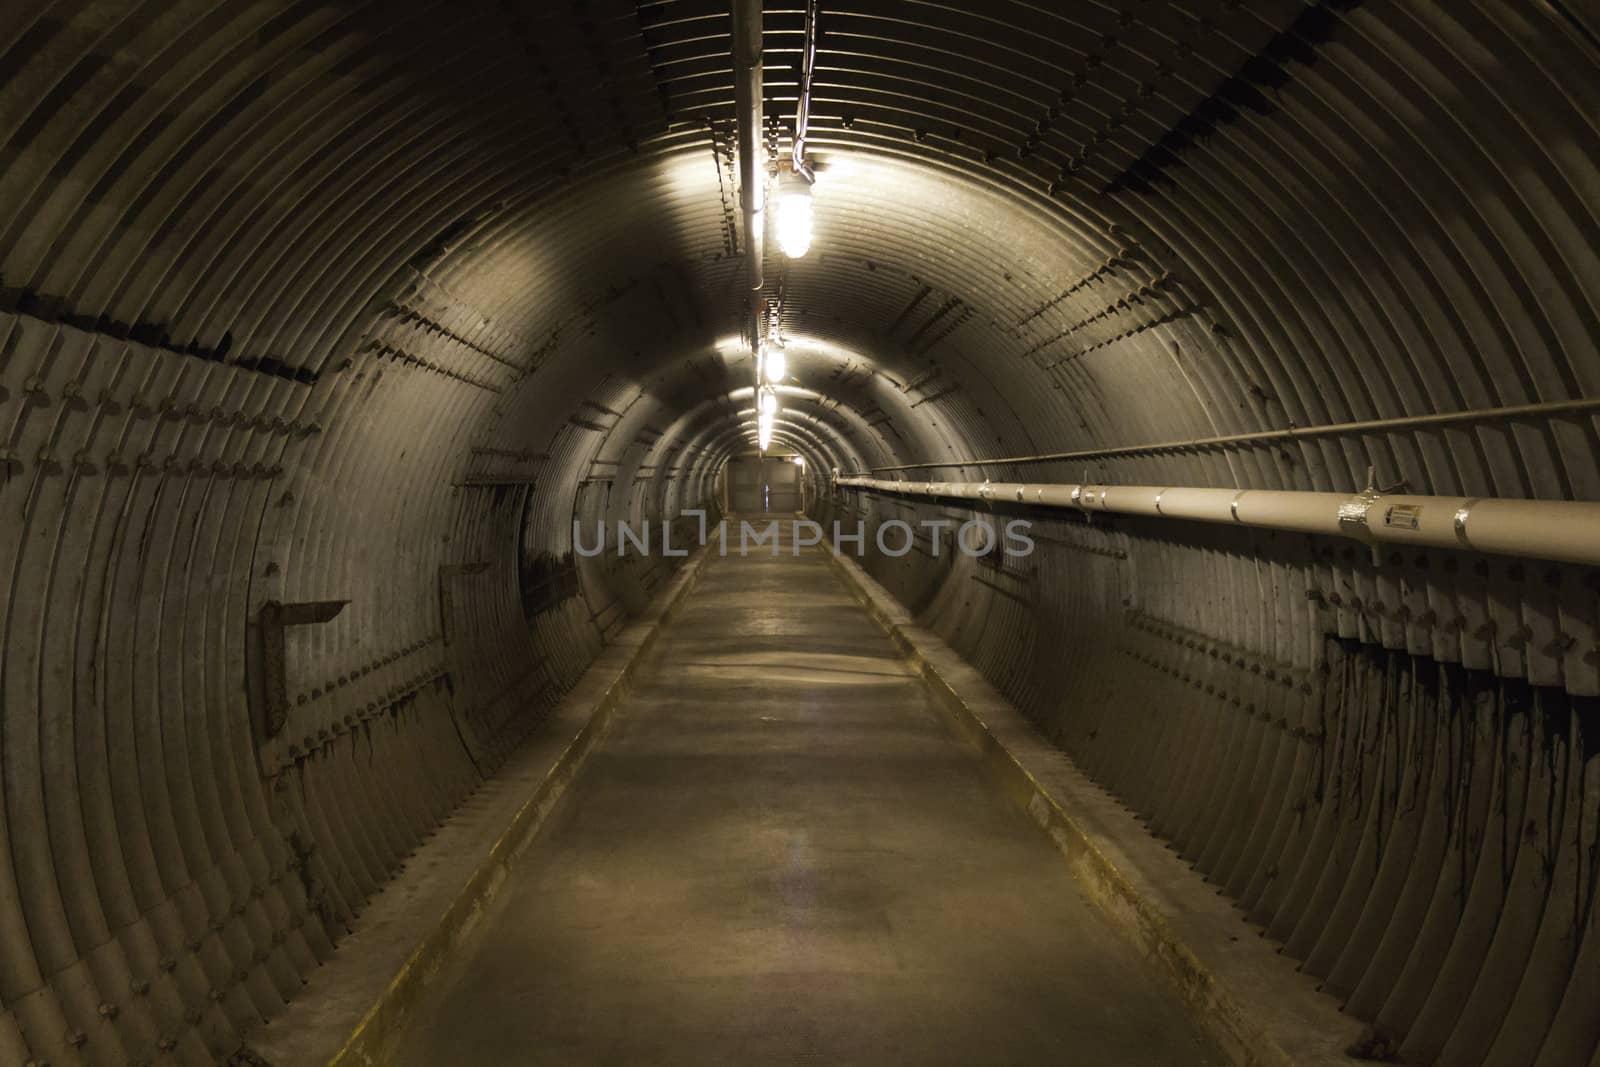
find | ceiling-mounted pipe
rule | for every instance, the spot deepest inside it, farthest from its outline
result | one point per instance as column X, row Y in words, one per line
column 802, row 117
column 747, row 90
column 1566, row 531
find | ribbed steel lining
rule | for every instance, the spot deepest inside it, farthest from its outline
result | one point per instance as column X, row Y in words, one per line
column 369, row 301
column 1334, row 741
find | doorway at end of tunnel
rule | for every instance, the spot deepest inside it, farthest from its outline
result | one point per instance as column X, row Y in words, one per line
column 764, row 484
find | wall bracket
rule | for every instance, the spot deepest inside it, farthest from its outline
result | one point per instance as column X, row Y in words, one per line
column 275, row 618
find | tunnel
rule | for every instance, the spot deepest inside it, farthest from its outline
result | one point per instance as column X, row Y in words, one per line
column 800, row 531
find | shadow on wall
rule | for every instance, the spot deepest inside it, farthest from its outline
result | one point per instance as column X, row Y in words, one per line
column 1386, row 772
column 176, row 855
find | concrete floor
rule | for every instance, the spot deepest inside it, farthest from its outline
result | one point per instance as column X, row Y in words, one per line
column 780, row 856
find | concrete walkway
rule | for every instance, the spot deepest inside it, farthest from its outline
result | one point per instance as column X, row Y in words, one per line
column 780, row 857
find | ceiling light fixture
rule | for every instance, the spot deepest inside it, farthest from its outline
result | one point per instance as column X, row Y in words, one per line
column 795, row 217
column 774, row 364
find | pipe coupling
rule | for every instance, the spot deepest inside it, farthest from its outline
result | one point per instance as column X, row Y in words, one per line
column 1353, row 514
column 1463, row 512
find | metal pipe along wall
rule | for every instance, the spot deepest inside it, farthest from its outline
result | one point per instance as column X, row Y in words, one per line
column 1567, row 531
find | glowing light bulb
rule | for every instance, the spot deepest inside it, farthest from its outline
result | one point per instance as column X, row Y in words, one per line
column 794, row 215
column 769, row 402
column 776, row 364
column 764, row 426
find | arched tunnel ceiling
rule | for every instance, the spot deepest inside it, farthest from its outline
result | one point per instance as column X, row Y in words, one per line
column 360, row 305
column 1044, row 229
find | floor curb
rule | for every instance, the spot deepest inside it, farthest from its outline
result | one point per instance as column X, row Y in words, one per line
column 575, row 728
column 1246, row 996
column 372, row 1043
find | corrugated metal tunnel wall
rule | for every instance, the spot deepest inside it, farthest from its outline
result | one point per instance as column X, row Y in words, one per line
column 339, row 301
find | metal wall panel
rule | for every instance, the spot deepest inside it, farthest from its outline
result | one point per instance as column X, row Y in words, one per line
column 368, row 303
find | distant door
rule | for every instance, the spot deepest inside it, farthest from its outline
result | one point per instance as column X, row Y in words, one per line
column 757, row 485
column 746, row 485
column 783, row 486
